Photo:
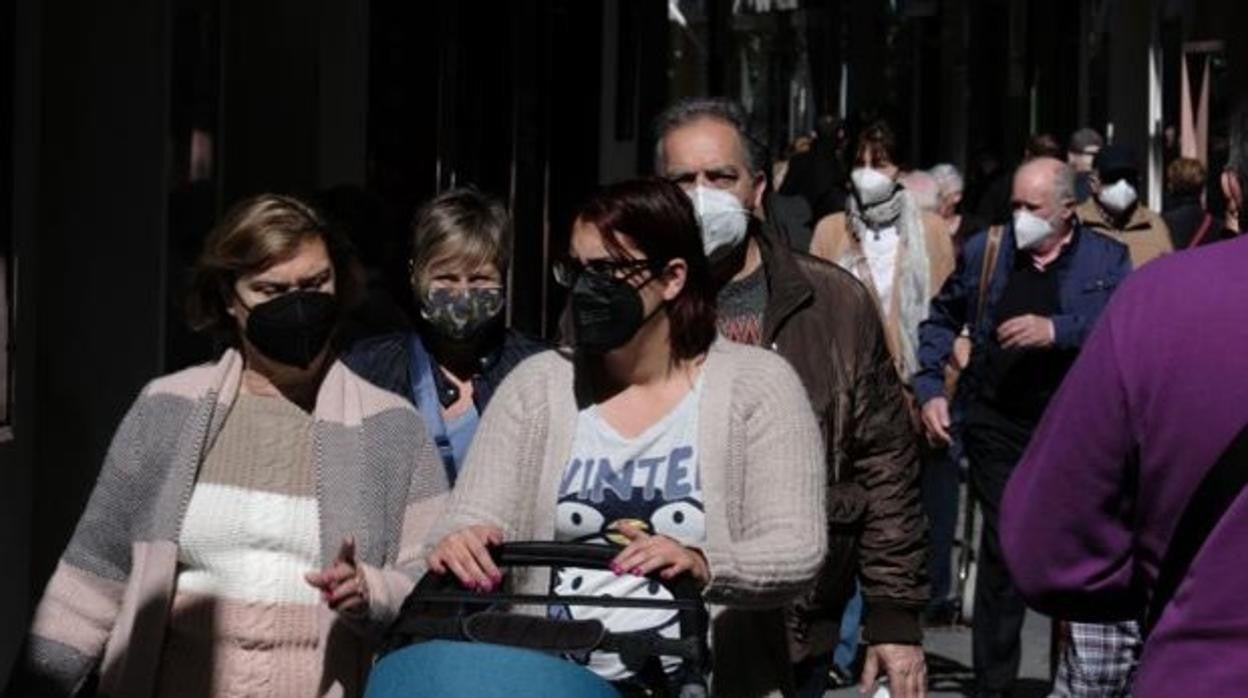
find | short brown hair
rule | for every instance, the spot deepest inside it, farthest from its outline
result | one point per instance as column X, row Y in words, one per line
column 1185, row 176
column 255, row 234
column 878, row 140
column 460, row 222
column 1044, row 145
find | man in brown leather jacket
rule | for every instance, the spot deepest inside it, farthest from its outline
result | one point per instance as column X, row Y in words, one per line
column 824, row 322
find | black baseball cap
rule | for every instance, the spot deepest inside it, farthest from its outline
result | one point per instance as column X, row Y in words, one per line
column 1115, row 162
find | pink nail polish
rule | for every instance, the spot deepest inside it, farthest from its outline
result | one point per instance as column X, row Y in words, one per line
column 636, row 571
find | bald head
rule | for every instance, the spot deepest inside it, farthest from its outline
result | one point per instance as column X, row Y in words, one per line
column 1045, row 187
column 1044, row 184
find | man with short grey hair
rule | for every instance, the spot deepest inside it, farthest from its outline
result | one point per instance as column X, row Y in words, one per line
column 1029, row 292
column 825, row 324
column 950, row 186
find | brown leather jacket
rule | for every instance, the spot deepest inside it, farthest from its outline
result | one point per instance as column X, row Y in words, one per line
column 825, row 323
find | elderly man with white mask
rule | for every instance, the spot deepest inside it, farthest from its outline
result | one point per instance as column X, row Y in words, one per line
column 1029, row 292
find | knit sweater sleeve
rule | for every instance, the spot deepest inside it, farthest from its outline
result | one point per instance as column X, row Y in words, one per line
column 781, row 538
column 427, row 492
column 75, row 617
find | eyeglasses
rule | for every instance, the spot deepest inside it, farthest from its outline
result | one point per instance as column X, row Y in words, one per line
column 567, row 271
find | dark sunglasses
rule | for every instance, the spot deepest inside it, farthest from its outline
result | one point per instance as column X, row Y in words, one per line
column 568, row 271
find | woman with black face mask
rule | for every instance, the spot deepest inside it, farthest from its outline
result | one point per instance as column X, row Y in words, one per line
column 461, row 348
column 686, row 452
column 254, row 524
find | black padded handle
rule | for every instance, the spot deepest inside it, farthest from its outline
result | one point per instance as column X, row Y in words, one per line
column 549, row 554
column 552, row 555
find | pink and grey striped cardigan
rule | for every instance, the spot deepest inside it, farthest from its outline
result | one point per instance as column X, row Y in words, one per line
column 106, row 607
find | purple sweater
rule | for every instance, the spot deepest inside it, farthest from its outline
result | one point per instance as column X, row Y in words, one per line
column 1085, row 522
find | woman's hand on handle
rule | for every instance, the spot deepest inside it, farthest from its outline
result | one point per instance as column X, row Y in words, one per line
column 465, row 553
column 646, row 553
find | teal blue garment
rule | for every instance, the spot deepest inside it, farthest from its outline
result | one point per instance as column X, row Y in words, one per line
column 452, row 438
column 446, row 669
column 459, row 431
column 847, row 648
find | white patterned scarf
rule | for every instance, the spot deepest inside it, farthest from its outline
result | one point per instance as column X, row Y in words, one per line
column 913, row 285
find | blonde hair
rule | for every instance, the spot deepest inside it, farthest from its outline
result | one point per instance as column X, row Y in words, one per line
column 463, row 224
column 1185, row 176
column 255, row 234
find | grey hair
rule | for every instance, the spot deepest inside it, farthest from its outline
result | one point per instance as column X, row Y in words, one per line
column 1064, row 186
column 722, row 109
column 948, row 179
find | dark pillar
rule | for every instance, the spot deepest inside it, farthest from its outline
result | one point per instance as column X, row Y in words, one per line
column 954, row 82
column 1130, row 28
column 19, row 134
column 272, row 108
column 98, row 271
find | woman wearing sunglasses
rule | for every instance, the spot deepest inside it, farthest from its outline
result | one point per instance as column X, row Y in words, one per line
column 688, row 453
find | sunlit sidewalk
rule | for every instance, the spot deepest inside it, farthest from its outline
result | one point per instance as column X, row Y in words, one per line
column 949, row 661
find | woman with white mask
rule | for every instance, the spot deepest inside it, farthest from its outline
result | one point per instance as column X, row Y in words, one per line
column 883, row 239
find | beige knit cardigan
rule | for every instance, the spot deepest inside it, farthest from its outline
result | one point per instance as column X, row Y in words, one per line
column 762, row 469
column 106, row 607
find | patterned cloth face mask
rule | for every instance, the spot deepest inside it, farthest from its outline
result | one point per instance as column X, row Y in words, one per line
column 461, row 314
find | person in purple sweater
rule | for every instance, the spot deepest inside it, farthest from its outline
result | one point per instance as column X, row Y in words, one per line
column 1157, row 397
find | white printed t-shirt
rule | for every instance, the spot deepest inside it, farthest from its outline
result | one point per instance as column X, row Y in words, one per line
column 651, row 479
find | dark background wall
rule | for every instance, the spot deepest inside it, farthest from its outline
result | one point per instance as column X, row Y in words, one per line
column 97, row 233
column 16, row 193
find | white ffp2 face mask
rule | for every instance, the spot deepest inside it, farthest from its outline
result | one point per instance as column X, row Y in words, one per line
column 724, row 221
column 1118, row 197
column 1030, row 230
column 872, row 185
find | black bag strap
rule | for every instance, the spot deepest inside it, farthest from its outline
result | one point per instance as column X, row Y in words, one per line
column 1220, row 487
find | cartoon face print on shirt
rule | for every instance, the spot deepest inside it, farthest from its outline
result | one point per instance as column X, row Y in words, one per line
column 682, row 520
column 659, row 495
